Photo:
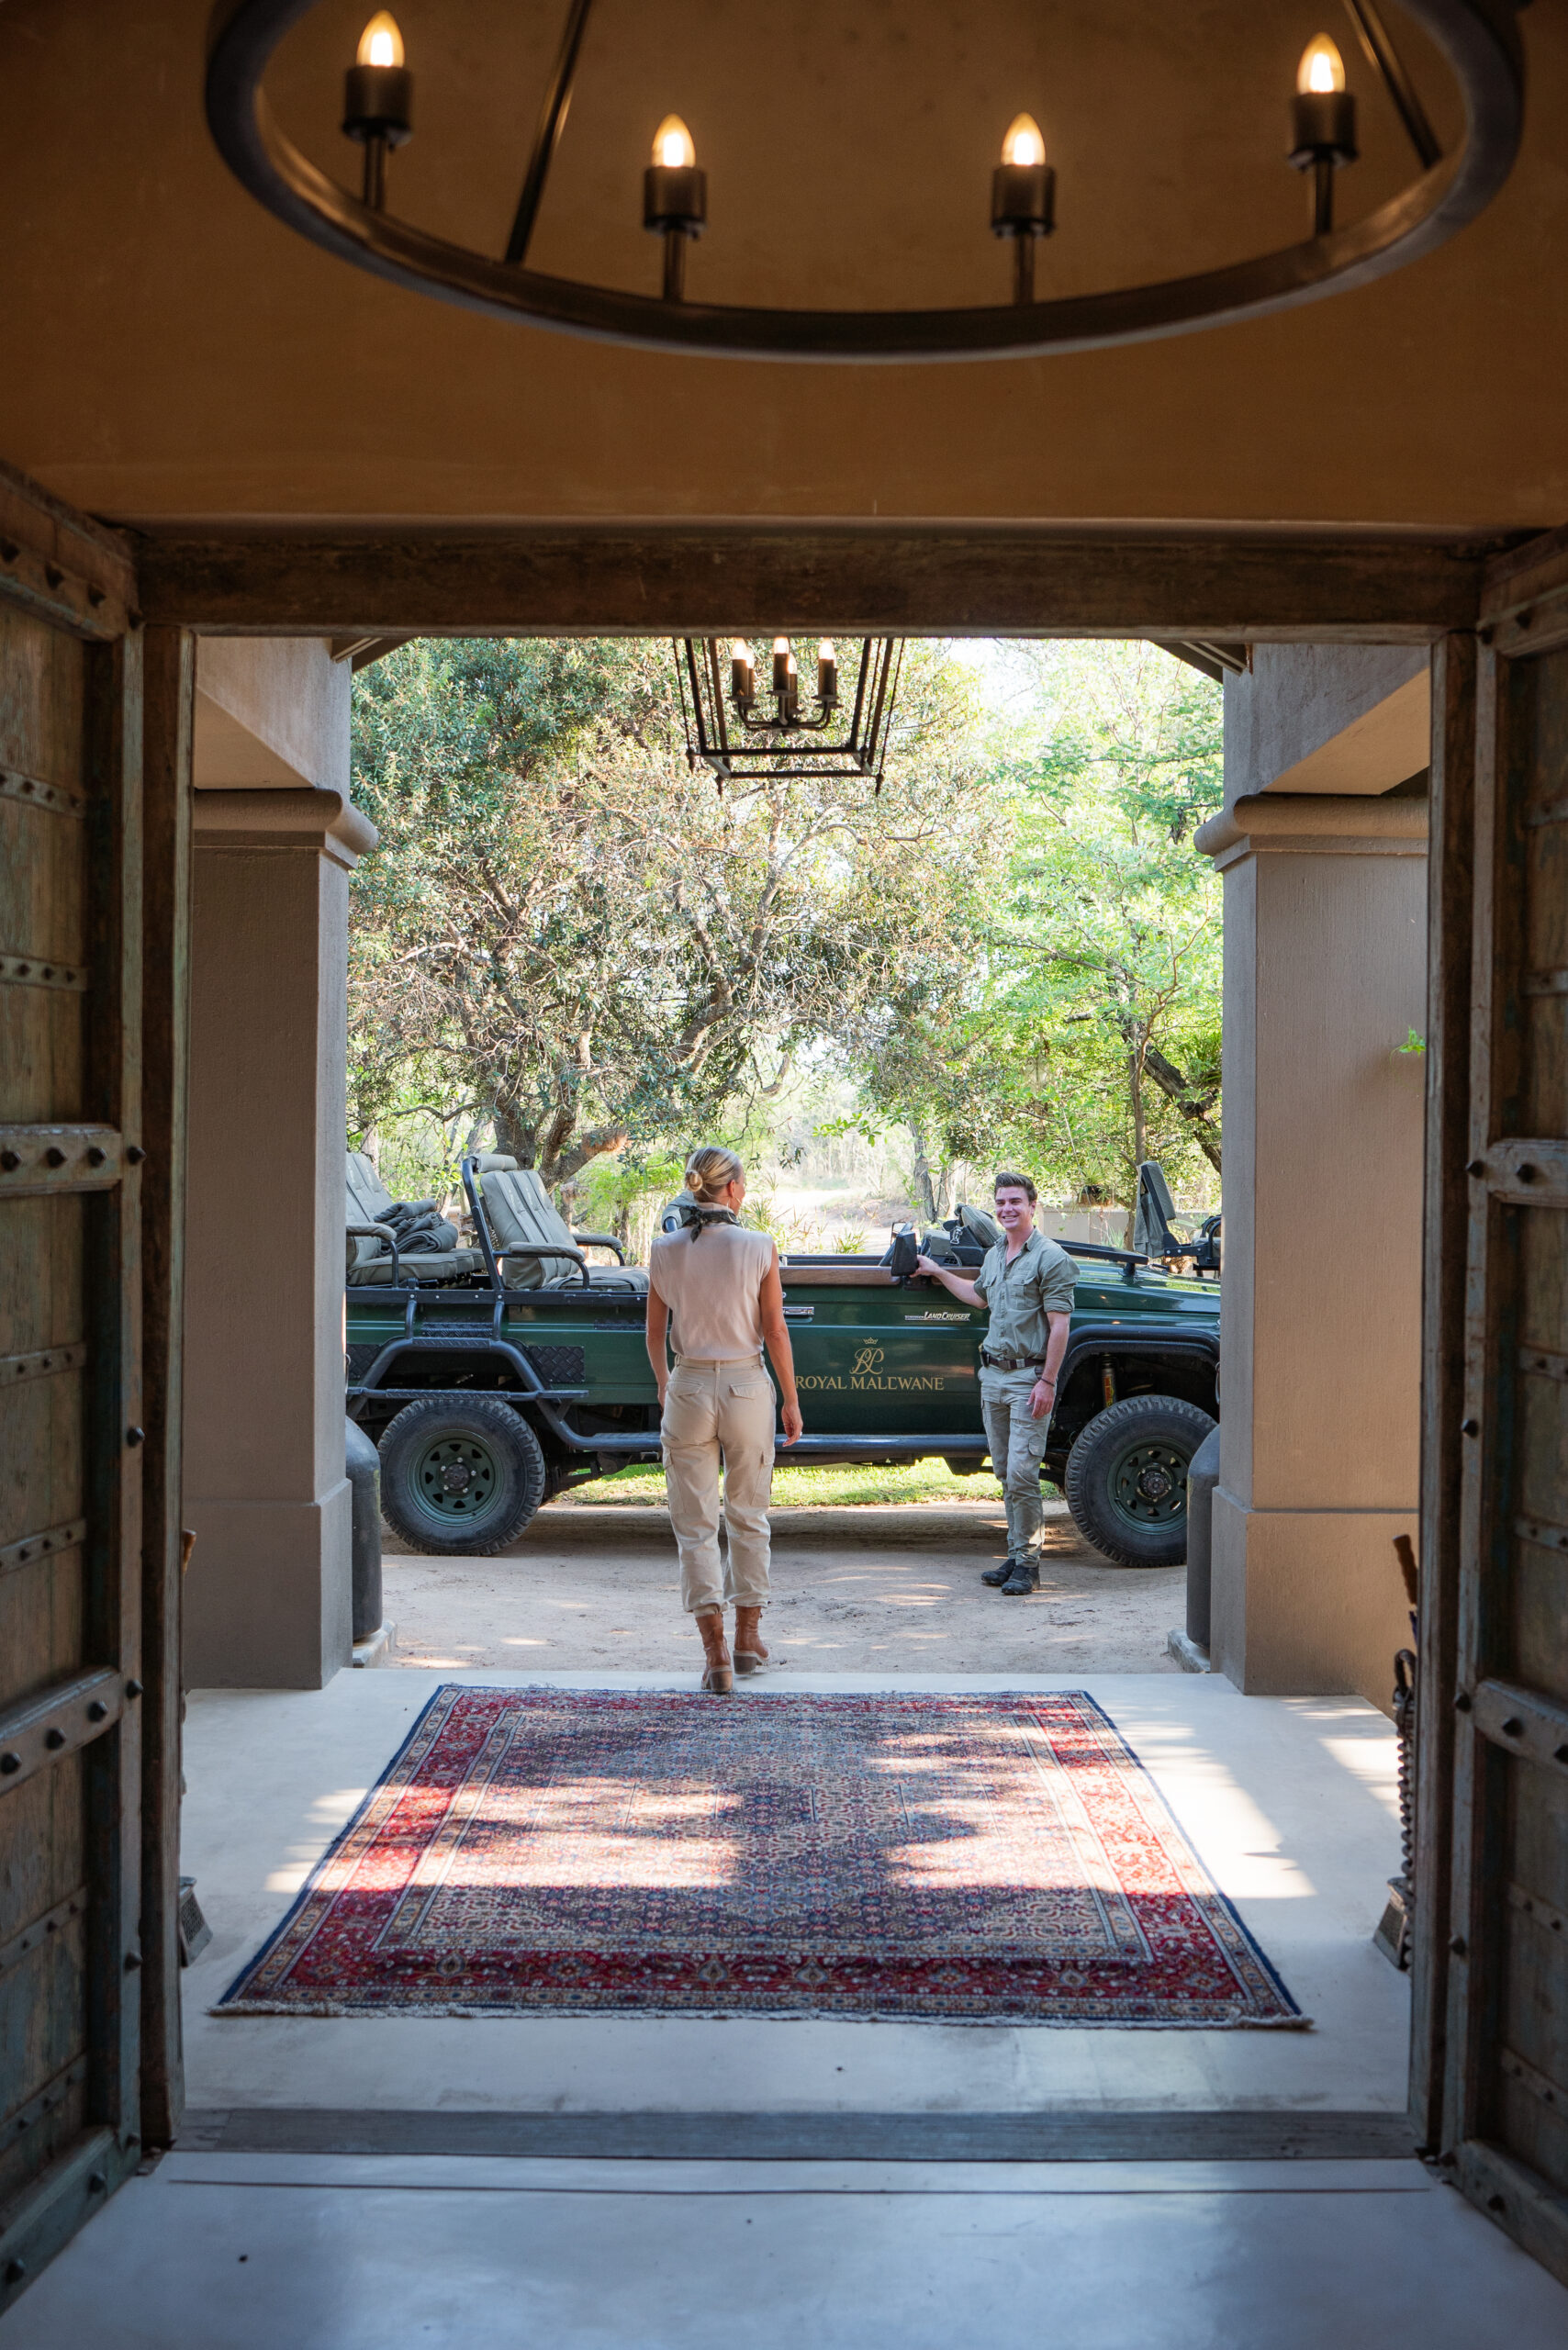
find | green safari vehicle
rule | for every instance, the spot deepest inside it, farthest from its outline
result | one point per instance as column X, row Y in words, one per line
column 498, row 1379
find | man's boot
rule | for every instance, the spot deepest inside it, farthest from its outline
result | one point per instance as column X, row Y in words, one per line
column 1024, row 1579
column 997, row 1576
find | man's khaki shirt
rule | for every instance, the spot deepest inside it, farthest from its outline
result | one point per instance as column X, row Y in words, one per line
column 1039, row 1281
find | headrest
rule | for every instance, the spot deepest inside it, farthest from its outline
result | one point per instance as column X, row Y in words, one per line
column 985, row 1227
column 494, row 1162
column 368, row 1197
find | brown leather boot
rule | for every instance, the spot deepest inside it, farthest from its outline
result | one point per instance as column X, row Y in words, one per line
column 750, row 1654
column 719, row 1677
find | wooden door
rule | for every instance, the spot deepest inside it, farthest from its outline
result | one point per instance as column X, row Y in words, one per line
column 1495, row 1657
column 77, row 1928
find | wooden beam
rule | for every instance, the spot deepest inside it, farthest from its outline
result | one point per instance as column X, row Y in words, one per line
column 896, row 578
column 58, row 563
column 1450, row 891
column 168, row 700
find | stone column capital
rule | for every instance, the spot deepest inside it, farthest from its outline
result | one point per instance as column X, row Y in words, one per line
column 280, row 819
column 1296, row 824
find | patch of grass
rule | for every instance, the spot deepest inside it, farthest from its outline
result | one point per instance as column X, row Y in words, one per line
column 916, row 1480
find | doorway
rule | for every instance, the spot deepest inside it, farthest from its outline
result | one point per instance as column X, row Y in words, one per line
column 1198, row 589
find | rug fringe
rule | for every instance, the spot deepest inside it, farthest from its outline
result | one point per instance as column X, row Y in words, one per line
column 342, row 2011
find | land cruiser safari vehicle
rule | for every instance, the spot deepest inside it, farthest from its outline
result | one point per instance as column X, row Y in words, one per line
column 493, row 1378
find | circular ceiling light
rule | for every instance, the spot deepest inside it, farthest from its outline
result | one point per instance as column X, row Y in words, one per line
column 1477, row 37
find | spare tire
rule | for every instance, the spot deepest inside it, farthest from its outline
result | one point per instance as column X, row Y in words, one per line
column 460, row 1480
column 1127, row 1479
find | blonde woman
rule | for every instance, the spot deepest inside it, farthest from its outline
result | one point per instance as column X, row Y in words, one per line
column 715, row 1300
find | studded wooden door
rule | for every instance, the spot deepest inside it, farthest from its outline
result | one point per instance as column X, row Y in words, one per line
column 1503, row 1919
column 72, row 1416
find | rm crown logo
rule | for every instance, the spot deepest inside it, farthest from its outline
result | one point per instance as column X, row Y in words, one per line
column 869, row 1358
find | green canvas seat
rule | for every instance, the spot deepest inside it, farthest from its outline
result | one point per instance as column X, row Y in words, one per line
column 370, row 1258
column 520, row 1212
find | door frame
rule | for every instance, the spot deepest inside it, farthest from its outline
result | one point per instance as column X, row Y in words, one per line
column 167, row 583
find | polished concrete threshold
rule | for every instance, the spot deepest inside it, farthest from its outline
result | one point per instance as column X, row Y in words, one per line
column 1227, row 2136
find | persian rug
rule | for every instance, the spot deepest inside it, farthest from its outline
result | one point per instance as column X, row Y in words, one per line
column 549, row 1851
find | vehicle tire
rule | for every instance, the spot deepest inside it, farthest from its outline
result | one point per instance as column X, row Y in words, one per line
column 460, row 1480
column 1127, row 1479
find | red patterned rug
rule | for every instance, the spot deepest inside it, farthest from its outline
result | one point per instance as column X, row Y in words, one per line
column 548, row 1851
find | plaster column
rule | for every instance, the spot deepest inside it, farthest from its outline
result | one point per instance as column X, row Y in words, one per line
column 267, row 1599
column 1325, row 977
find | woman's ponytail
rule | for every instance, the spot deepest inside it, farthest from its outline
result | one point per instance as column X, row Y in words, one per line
column 709, row 1170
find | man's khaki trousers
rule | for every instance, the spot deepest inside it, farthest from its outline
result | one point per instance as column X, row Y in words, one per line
column 1017, row 1444
column 712, row 1408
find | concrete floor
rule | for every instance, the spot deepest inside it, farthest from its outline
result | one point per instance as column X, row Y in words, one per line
column 1289, row 1801
column 254, row 2253
column 856, row 1590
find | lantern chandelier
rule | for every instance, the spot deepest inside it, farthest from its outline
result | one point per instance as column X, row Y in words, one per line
column 770, row 736
column 1477, row 38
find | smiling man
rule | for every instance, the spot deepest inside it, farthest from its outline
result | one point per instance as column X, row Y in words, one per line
column 1027, row 1282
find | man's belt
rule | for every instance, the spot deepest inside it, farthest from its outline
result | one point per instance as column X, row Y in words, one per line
column 1011, row 1363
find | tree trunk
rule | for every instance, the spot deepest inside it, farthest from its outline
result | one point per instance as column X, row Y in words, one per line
column 1193, row 1104
column 924, row 1182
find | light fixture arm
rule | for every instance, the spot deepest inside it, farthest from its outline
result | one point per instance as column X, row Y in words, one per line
column 1379, row 46
column 547, row 136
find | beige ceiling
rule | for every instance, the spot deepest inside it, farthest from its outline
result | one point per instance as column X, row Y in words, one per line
column 174, row 351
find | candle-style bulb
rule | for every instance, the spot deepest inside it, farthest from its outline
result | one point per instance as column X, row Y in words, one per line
column 1024, row 142
column 673, row 149
column 381, row 43
column 1322, row 69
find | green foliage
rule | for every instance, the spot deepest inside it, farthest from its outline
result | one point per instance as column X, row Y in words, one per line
column 567, row 932
column 1086, row 1036
column 918, row 1481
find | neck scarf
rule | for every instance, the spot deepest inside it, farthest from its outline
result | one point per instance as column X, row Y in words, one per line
column 697, row 1219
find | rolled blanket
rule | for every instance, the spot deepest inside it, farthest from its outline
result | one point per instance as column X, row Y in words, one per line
column 420, row 1230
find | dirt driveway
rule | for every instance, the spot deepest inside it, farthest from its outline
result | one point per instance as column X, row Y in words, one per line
column 855, row 1590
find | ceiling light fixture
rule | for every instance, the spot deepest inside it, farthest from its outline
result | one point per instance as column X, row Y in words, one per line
column 770, row 737
column 1477, row 38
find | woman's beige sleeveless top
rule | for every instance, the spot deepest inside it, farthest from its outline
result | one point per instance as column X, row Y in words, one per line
column 713, row 1288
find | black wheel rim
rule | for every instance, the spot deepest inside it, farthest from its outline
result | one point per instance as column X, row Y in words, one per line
column 1148, row 1484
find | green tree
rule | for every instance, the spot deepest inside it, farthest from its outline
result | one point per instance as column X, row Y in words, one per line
column 1084, row 1034
column 568, row 932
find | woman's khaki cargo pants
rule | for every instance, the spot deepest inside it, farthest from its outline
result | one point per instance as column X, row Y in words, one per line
column 712, row 1408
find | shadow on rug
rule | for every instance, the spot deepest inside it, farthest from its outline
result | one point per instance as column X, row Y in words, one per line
column 544, row 1852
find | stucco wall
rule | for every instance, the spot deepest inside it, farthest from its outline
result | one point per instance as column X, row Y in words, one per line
column 187, row 354
column 1326, row 719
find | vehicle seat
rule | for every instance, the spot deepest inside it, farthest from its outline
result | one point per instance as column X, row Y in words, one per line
column 980, row 1224
column 1153, row 1221
column 369, row 1258
column 519, row 1210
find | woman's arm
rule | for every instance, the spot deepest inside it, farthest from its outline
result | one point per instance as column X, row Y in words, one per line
column 656, row 1331
column 776, row 1337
